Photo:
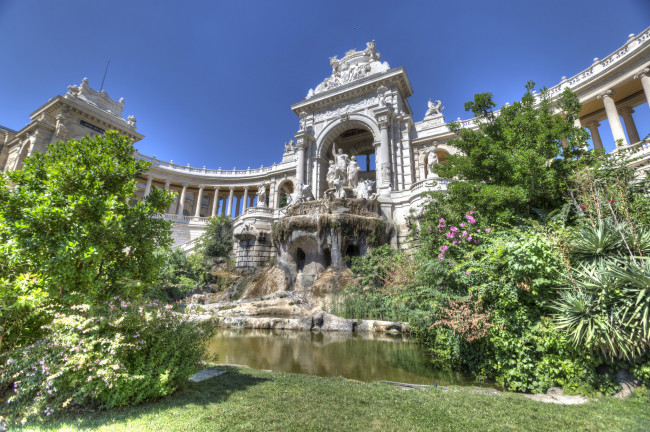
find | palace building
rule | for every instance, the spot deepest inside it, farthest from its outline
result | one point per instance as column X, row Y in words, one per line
column 356, row 141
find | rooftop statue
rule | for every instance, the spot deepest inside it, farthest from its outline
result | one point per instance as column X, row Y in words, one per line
column 289, row 147
column 434, row 109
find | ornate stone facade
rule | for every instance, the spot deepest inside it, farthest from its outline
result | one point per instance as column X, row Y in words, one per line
column 356, row 139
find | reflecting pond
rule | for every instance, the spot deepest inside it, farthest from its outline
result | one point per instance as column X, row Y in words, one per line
column 363, row 357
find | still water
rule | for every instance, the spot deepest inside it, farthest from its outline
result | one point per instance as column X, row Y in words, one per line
column 363, row 357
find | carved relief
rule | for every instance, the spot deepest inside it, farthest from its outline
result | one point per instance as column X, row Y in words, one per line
column 346, row 107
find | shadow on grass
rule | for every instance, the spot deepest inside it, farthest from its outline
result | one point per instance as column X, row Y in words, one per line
column 211, row 391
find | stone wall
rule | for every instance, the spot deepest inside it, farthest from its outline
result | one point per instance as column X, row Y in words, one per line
column 183, row 233
column 255, row 252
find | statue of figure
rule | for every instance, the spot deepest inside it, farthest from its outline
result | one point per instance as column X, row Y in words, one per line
column 353, row 173
column 339, row 192
column 61, row 128
column 261, row 195
column 432, row 161
column 331, row 175
column 303, row 120
column 288, row 146
column 334, row 62
column 364, row 189
column 434, row 109
column 371, row 51
column 341, row 165
column 307, row 195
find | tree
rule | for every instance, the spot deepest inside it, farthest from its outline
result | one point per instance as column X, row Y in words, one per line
column 68, row 233
column 217, row 240
column 517, row 162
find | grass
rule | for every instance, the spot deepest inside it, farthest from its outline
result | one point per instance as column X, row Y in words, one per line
column 251, row 400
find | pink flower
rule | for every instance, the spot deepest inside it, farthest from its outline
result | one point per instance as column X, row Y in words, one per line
column 441, row 220
column 440, row 257
column 450, row 235
column 471, row 212
column 466, row 271
column 462, row 225
column 469, row 238
column 168, row 306
column 487, row 230
column 453, row 229
column 430, row 228
column 464, row 234
column 454, row 242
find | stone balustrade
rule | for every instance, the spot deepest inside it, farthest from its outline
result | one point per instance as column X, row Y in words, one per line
column 288, row 163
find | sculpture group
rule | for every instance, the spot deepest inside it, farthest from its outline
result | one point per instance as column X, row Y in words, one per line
column 343, row 177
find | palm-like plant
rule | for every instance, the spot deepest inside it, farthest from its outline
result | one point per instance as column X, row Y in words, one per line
column 591, row 243
column 607, row 306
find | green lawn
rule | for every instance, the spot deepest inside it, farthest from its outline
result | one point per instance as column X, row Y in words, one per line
column 253, row 400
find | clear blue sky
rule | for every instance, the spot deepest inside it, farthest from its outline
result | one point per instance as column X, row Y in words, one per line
column 211, row 82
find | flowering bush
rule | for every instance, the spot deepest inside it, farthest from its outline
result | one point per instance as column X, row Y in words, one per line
column 119, row 354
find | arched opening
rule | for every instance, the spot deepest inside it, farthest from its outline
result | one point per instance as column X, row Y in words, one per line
column 354, row 140
column 328, row 257
column 351, row 251
column 300, row 259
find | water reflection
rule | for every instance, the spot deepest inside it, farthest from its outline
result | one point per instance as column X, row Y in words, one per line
column 364, row 357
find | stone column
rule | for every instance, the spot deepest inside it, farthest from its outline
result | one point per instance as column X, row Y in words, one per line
column 167, row 188
column 198, row 202
column 215, row 201
column 302, row 142
column 595, row 135
column 384, row 151
column 232, row 192
column 181, row 201
column 613, row 118
column 644, row 76
column 630, row 127
column 245, row 198
column 147, row 187
column 238, row 204
column 300, row 167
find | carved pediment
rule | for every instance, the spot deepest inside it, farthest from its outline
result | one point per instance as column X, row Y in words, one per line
column 353, row 66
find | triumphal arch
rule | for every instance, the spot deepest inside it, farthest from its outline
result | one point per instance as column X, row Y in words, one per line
column 354, row 170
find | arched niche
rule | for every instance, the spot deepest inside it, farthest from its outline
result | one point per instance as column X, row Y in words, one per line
column 441, row 152
column 284, row 187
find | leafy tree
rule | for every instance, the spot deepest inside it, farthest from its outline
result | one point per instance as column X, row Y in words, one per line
column 68, row 233
column 515, row 162
column 217, row 240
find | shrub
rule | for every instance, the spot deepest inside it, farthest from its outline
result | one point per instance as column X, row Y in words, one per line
column 179, row 274
column 119, row 354
column 217, row 240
